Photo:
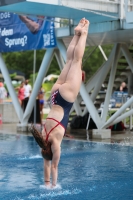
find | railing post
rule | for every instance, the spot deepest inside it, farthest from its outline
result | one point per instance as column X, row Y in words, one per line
column 126, row 6
column 121, row 12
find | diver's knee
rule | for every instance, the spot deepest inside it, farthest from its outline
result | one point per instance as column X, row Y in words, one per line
column 77, row 62
column 54, row 166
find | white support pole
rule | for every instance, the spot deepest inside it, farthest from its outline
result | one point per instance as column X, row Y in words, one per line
column 92, row 82
column 124, row 99
column 85, row 111
column 79, row 99
column 127, row 55
column 102, row 75
column 121, row 12
column 118, row 112
column 13, row 95
column 88, row 122
column 34, row 66
column 62, row 48
column 90, row 106
column 34, row 71
column 103, row 70
column 59, row 59
column 103, row 53
column 96, row 82
column 131, row 117
column 126, row 6
column 41, row 74
column 110, row 84
column 125, row 115
column 77, row 107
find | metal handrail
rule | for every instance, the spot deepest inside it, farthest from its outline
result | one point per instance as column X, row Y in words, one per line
column 108, row 1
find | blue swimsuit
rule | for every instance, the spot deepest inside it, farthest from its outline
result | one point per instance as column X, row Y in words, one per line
column 57, row 99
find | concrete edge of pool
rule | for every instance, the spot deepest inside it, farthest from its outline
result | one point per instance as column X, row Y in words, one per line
column 78, row 134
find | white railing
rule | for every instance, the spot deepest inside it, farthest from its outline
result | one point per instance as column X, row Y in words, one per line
column 129, row 11
column 120, row 7
column 115, row 9
column 99, row 5
column 98, row 1
column 129, row 5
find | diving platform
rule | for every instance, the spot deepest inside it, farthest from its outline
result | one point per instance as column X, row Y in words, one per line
column 111, row 21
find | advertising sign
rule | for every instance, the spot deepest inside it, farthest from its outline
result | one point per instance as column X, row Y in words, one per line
column 21, row 33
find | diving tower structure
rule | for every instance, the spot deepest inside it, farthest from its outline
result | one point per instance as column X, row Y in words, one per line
column 111, row 22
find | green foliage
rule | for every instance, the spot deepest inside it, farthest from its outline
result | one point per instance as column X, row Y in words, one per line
column 12, row 76
column 64, row 22
column 23, row 61
column 47, row 86
column 95, row 60
column 45, row 116
column 54, row 68
column 32, row 79
column 6, row 87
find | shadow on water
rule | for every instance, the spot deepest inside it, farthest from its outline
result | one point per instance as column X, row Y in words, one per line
column 87, row 170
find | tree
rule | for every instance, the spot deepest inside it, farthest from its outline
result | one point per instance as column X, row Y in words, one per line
column 23, row 61
column 95, row 60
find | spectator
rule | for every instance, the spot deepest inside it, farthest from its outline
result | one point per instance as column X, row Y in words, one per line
column 118, row 127
column 21, row 90
column 41, row 101
column 3, row 92
column 27, row 90
column 123, row 87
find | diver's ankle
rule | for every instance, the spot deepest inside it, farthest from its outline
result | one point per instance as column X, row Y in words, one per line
column 53, row 185
column 47, row 183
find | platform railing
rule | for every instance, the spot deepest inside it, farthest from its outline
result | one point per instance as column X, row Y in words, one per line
column 129, row 11
column 121, row 7
column 99, row 5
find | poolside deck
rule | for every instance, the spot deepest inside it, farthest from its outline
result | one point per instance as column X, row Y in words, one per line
column 123, row 137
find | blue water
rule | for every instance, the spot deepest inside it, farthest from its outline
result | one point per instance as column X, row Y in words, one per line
column 87, row 171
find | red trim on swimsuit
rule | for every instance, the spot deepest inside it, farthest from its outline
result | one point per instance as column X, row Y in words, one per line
column 58, row 123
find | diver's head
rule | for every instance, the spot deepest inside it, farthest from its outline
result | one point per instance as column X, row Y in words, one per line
column 26, row 82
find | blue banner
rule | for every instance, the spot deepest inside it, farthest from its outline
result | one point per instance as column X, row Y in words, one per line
column 20, row 33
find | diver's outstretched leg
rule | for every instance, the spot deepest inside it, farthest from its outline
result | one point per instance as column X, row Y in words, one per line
column 73, row 43
column 70, row 89
column 70, row 55
column 80, row 47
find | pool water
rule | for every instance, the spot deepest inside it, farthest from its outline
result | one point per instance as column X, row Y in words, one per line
column 87, row 171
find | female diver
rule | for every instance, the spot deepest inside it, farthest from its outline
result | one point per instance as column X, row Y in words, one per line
column 64, row 93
